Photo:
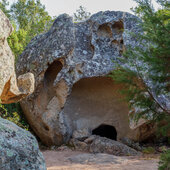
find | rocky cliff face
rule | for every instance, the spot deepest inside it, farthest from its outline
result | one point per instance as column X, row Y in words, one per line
column 10, row 91
column 70, row 63
column 18, row 148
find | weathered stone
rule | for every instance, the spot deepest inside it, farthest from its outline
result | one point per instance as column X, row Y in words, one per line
column 18, row 148
column 69, row 63
column 63, row 148
column 105, row 145
column 131, row 143
column 79, row 145
column 97, row 144
column 81, row 134
column 9, row 91
column 90, row 139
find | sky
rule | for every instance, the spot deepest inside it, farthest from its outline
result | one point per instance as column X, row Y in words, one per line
column 56, row 7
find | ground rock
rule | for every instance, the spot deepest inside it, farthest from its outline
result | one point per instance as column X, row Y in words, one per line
column 70, row 63
column 78, row 145
column 81, row 134
column 18, row 148
column 131, row 143
column 9, row 91
column 105, row 145
column 63, row 148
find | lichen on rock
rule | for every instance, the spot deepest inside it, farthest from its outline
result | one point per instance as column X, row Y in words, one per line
column 70, row 63
column 19, row 148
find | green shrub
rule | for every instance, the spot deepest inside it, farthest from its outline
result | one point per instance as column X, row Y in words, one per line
column 13, row 113
column 164, row 163
column 148, row 150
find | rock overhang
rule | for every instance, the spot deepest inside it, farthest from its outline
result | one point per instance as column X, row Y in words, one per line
column 86, row 49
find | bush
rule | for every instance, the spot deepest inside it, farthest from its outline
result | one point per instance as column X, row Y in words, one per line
column 148, row 150
column 13, row 113
column 164, row 163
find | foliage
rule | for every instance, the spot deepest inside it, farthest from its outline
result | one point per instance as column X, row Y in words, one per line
column 148, row 150
column 81, row 14
column 29, row 19
column 18, row 41
column 31, row 16
column 13, row 113
column 164, row 163
column 145, row 69
column 4, row 7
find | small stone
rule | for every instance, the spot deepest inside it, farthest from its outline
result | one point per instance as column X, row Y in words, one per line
column 81, row 134
column 78, row 145
column 63, row 148
column 131, row 143
column 90, row 139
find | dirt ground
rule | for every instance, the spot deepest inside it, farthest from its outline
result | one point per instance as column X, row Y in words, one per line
column 75, row 160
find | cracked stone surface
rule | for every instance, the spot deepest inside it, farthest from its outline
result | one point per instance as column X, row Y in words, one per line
column 10, row 91
column 72, row 91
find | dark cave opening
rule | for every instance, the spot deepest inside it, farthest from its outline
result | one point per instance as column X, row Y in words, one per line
column 107, row 131
column 51, row 72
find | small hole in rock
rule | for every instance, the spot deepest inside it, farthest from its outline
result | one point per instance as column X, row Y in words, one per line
column 118, row 26
column 104, row 31
column 121, row 41
column 46, row 127
column 115, row 42
column 52, row 71
column 107, row 131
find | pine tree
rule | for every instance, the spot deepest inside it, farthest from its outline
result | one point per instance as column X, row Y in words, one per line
column 145, row 70
column 31, row 19
column 81, row 14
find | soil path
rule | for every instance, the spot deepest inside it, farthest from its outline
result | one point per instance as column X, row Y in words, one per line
column 75, row 160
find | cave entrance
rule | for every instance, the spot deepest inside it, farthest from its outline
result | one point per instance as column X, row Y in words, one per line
column 107, row 131
column 50, row 76
column 95, row 101
column 47, row 91
column 51, row 72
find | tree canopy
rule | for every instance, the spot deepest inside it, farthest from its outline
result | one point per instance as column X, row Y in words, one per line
column 29, row 18
column 81, row 14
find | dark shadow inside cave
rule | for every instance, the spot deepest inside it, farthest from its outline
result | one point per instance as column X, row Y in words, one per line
column 107, row 131
column 47, row 91
column 51, row 73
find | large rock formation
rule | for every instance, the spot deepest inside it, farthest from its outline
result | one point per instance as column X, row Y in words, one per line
column 70, row 63
column 10, row 92
column 18, row 148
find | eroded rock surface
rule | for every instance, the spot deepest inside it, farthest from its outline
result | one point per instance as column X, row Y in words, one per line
column 10, row 92
column 69, row 63
column 18, row 148
column 97, row 144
